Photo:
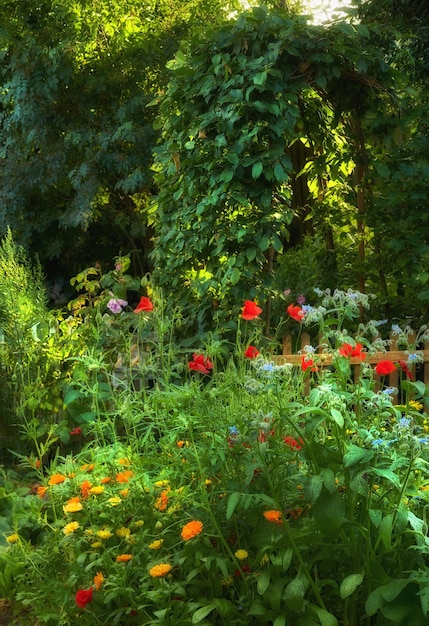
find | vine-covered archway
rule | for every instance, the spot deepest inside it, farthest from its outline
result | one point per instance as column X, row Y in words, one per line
column 239, row 113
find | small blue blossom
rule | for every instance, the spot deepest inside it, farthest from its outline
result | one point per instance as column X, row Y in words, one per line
column 233, row 430
column 306, row 308
column 404, row 422
column 380, row 322
column 423, row 440
column 377, row 442
column 390, row 391
column 396, row 330
column 267, row 367
column 413, row 358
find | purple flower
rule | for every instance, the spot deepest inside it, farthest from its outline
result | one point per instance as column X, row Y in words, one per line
column 115, row 305
column 300, row 299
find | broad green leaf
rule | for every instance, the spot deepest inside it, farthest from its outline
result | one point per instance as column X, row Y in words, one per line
column 257, row 170
column 260, row 78
column 293, row 595
column 263, row 581
column 234, row 277
column 233, row 500
column 350, row 584
column 356, row 455
column 201, row 613
column 337, row 417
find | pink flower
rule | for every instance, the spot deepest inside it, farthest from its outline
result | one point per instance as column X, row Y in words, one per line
column 295, row 312
column 145, row 304
column 83, row 597
column 116, row 304
column 384, row 368
column 250, row 310
column 200, row 363
column 251, row 352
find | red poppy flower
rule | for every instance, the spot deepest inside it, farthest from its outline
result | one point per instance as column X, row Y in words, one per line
column 405, row 369
column 250, row 310
column 295, row 312
column 306, row 362
column 348, row 350
column 76, row 431
column 293, row 443
column 145, row 304
column 200, row 363
column 384, row 368
column 83, row 597
column 251, row 352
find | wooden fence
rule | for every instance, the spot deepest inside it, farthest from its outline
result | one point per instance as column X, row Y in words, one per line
column 324, row 359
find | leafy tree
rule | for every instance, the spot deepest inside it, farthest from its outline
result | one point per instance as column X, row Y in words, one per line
column 75, row 129
column 235, row 117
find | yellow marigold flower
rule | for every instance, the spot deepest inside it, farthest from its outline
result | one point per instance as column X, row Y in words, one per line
column 124, row 492
column 123, row 533
column 124, row 462
column 104, row 534
column 97, row 490
column 41, row 491
column 273, row 516
column 123, row 477
column 160, row 570
column 191, row 529
column 73, row 505
column 156, row 545
column 70, row 528
column 96, row 544
column 208, row 482
column 13, row 538
column 114, row 501
column 138, row 523
column 424, row 488
column 181, row 443
column 98, row 580
column 123, row 558
column 105, row 480
column 56, row 479
column 241, row 554
column 162, row 483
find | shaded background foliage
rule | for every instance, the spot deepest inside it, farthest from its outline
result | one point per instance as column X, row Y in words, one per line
column 308, row 190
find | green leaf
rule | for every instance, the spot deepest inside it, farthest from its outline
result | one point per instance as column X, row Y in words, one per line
column 329, row 512
column 350, row 584
column 233, row 500
column 234, row 277
column 356, row 455
column 385, row 530
column 280, row 621
column 257, row 170
column 201, row 613
column 293, row 595
column 260, row 78
column 325, row 618
column 263, row 581
column 264, row 243
column 337, row 417
column 375, row 516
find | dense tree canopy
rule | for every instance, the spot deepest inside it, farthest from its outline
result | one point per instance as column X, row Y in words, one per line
column 75, row 129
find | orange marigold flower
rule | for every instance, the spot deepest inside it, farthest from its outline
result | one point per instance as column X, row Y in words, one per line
column 41, row 491
column 273, row 516
column 88, row 467
column 98, row 580
column 56, row 479
column 162, row 502
column 160, row 570
column 123, row 477
column 85, row 488
column 123, row 558
column 191, row 529
column 105, row 480
column 124, row 492
column 37, row 463
column 124, row 462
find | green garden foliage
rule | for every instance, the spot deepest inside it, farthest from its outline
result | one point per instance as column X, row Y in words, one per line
column 239, row 112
